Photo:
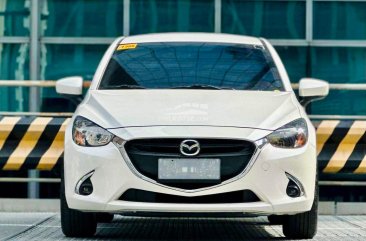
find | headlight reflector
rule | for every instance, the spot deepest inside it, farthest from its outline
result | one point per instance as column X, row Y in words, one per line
column 87, row 133
column 291, row 135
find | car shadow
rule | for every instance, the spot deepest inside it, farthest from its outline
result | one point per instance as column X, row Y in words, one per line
column 152, row 228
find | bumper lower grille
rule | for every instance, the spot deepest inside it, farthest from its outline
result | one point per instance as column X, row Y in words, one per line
column 234, row 155
column 134, row 195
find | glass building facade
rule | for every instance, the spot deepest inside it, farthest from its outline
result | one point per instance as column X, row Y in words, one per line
column 50, row 39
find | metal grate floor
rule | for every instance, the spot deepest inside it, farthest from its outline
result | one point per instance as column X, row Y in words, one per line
column 46, row 226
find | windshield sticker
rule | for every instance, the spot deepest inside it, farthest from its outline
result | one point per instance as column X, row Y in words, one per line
column 126, row 46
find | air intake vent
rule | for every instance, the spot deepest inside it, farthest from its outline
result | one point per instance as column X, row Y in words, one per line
column 135, row 195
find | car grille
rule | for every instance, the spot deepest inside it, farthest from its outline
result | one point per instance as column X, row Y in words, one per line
column 234, row 155
column 243, row 196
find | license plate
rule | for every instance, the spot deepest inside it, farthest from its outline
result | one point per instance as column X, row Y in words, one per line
column 181, row 169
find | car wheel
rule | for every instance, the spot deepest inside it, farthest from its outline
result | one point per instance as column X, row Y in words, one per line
column 75, row 223
column 104, row 217
column 302, row 225
column 275, row 219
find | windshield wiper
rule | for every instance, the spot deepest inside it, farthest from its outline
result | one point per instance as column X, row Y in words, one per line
column 209, row 87
column 125, row 87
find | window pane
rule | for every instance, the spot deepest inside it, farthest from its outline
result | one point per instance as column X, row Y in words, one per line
column 270, row 19
column 340, row 65
column 339, row 20
column 171, row 16
column 341, row 102
column 14, row 59
column 83, row 18
column 67, row 60
column 294, row 59
column 14, row 18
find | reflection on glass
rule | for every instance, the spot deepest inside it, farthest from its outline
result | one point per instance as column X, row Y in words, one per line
column 150, row 16
column 58, row 61
column 270, row 19
column 341, row 102
column 67, row 60
column 339, row 20
column 14, row 65
column 198, row 65
column 92, row 18
column 14, row 18
column 295, row 61
column 339, row 65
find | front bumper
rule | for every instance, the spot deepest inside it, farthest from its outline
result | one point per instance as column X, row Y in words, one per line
column 266, row 177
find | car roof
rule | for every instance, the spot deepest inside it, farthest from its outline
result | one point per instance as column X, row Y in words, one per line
column 193, row 37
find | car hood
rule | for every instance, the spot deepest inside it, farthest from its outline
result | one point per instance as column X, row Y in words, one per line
column 226, row 108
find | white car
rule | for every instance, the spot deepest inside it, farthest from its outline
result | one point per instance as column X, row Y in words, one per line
column 190, row 124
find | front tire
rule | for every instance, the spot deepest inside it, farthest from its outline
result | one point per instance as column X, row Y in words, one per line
column 302, row 225
column 75, row 223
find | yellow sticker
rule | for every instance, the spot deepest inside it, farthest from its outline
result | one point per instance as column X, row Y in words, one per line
column 126, row 46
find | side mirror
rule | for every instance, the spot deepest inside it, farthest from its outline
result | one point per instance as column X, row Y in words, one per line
column 312, row 89
column 71, row 88
column 70, row 85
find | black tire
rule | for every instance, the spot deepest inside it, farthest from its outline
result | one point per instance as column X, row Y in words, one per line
column 75, row 223
column 303, row 225
column 275, row 219
column 104, row 217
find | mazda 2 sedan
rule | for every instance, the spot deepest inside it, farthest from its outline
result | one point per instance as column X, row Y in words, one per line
column 190, row 124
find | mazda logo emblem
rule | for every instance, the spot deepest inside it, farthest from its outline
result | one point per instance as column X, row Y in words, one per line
column 190, row 147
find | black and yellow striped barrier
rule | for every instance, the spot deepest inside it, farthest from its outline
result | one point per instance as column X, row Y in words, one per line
column 31, row 142
column 341, row 146
column 38, row 143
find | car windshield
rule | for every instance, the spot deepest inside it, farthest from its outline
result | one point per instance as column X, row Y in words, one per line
column 196, row 65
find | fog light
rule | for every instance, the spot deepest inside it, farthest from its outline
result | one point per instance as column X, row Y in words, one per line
column 84, row 186
column 294, row 187
column 293, row 190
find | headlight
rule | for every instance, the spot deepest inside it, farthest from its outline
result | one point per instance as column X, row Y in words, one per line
column 87, row 133
column 291, row 135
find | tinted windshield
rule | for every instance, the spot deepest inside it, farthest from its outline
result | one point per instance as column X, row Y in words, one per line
column 191, row 65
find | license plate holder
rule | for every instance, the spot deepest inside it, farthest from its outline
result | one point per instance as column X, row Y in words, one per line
column 205, row 170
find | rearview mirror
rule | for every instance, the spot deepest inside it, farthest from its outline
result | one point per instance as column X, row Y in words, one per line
column 70, row 85
column 312, row 89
